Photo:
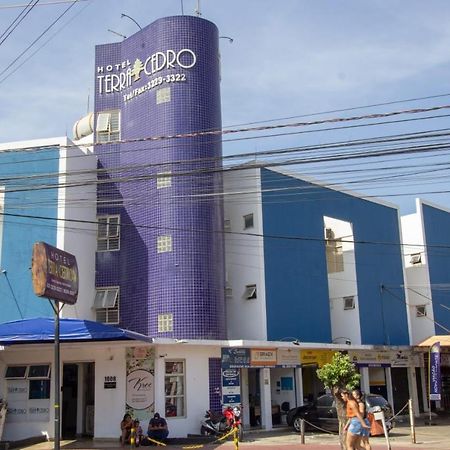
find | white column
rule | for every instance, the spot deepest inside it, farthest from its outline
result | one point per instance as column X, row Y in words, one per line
column 424, row 390
column 244, row 397
column 412, row 388
column 298, row 380
column 365, row 379
column 390, row 392
column 266, row 399
column 159, row 387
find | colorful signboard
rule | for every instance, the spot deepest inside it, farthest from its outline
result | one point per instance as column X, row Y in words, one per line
column 263, row 357
column 288, row 357
column 235, row 358
column 54, row 273
column 317, row 357
column 140, row 388
column 370, row 358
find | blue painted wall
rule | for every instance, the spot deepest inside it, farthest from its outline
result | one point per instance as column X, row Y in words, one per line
column 17, row 299
column 437, row 239
column 296, row 273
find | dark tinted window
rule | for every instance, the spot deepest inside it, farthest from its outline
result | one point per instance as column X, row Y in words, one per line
column 39, row 389
column 15, row 372
column 39, row 371
column 325, row 401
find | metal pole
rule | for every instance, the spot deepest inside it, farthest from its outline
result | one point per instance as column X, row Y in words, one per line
column 57, row 380
column 302, row 431
column 386, row 434
column 412, row 421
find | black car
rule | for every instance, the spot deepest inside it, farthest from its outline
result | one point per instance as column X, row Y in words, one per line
column 323, row 413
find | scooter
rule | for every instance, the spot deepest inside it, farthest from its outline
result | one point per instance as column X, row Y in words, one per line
column 219, row 424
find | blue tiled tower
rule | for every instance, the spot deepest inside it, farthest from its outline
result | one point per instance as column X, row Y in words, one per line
column 163, row 81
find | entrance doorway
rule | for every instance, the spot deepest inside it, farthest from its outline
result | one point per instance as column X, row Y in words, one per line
column 254, row 397
column 78, row 389
column 400, row 387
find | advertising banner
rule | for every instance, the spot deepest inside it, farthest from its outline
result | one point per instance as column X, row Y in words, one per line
column 140, row 389
column 263, row 357
column 435, row 371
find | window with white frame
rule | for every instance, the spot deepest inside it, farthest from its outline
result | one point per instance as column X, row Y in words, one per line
column 349, row 302
column 227, row 224
column 248, row 221
column 165, row 323
column 163, row 95
column 164, row 244
column 174, row 381
column 163, row 180
column 36, row 380
column 250, row 292
column 334, row 255
column 421, row 310
column 106, row 305
column 108, row 126
column 108, row 233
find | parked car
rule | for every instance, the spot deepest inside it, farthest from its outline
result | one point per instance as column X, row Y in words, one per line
column 323, row 413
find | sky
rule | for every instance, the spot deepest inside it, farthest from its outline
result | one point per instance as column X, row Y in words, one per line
column 288, row 60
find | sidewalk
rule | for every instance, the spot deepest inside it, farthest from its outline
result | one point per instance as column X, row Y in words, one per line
column 435, row 437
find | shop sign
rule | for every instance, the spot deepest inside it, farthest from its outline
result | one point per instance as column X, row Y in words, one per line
column 263, row 357
column 317, row 357
column 288, row 357
column 54, row 273
column 139, row 389
column 235, row 358
column 370, row 358
column 231, row 387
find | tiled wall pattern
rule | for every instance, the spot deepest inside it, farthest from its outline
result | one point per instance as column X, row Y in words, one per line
column 187, row 281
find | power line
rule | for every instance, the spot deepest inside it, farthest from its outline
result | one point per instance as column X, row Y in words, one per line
column 48, row 3
column 39, row 37
column 16, row 22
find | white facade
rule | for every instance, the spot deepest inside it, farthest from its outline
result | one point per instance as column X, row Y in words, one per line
column 244, row 255
column 417, row 290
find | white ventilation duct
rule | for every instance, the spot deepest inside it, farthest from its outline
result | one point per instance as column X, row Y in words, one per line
column 83, row 127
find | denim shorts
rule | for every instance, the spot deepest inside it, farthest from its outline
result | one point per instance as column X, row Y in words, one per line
column 355, row 427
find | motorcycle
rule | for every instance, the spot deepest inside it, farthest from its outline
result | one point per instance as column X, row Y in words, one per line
column 222, row 423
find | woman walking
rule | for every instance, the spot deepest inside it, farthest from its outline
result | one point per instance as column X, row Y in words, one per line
column 357, row 395
column 355, row 423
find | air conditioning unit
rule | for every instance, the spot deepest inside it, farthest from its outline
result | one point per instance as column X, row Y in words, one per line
column 329, row 234
column 416, row 258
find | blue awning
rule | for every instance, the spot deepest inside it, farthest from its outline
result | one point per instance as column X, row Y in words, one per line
column 42, row 330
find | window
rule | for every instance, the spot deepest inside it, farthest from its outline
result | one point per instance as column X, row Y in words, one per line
column 108, row 233
column 37, row 376
column 163, row 95
column 228, row 291
column 108, row 126
column 15, row 372
column 416, row 258
column 349, row 302
column 175, row 388
column 335, row 255
column 106, row 304
column 227, row 224
column 421, row 310
column 250, row 292
column 248, row 221
column 164, row 244
column 165, row 323
column 42, row 371
column 163, row 180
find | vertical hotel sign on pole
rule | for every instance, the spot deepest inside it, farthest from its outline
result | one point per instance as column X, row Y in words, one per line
column 435, row 372
column 140, row 382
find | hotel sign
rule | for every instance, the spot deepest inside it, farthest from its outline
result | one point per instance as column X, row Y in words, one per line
column 115, row 78
column 54, row 273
